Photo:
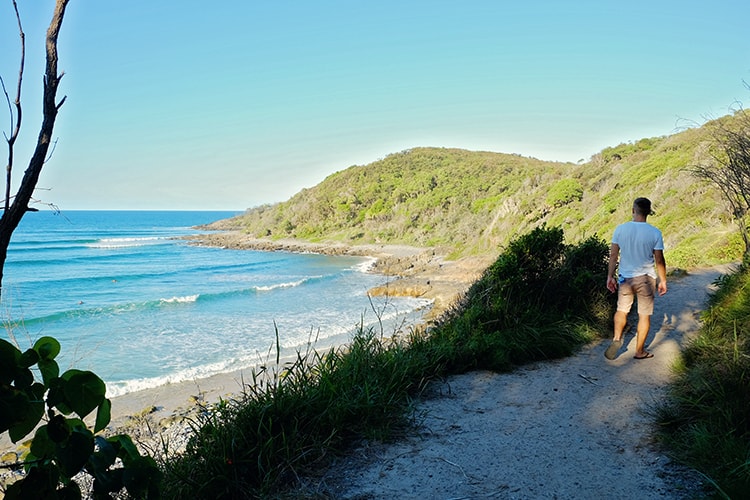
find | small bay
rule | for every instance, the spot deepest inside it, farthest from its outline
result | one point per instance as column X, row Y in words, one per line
column 141, row 307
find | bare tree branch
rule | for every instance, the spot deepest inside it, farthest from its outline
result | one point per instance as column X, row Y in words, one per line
column 15, row 211
column 19, row 114
column 728, row 166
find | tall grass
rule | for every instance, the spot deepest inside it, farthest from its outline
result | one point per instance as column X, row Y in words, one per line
column 542, row 299
column 297, row 415
column 706, row 419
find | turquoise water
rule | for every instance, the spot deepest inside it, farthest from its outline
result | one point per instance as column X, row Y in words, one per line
column 140, row 307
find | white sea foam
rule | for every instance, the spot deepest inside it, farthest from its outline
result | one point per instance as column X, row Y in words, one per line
column 118, row 388
column 392, row 320
column 290, row 284
column 180, row 300
column 366, row 266
column 113, row 243
column 386, row 319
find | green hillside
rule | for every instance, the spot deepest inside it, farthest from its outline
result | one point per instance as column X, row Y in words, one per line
column 469, row 202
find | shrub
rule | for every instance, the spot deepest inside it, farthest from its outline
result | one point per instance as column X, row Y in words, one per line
column 563, row 192
column 535, row 302
column 64, row 447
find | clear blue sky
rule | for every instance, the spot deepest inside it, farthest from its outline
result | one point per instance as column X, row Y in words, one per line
column 227, row 105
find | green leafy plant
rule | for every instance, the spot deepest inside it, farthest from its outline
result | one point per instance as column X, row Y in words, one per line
column 64, row 446
column 541, row 299
column 563, row 192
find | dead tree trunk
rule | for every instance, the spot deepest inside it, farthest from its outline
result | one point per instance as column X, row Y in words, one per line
column 15, row 211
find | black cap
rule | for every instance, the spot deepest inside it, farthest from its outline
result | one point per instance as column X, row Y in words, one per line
column 644, row 206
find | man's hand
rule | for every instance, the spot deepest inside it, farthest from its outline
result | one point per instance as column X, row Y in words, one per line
column 662, row 287
column 612, row 284
column 614, row 257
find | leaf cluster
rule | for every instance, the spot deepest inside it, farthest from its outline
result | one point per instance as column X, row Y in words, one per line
column 64, row 445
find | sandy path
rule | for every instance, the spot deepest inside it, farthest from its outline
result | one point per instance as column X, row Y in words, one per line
column 572, row 428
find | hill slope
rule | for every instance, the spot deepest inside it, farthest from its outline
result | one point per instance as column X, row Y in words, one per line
column 474, row 202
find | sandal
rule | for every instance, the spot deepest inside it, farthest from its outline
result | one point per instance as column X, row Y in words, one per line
column 611, row 352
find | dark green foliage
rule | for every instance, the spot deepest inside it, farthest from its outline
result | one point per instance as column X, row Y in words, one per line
column 563, row 192
column 535, row 302
column 64, row 447
column 706, row 420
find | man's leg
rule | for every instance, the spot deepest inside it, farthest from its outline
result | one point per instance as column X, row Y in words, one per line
column 621, row 319
column 644, row 324
column 645, row 290
column 625, row 299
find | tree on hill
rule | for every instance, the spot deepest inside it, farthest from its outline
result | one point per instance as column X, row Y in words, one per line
column 728, row 167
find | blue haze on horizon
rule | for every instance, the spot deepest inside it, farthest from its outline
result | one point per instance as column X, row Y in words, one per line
column 224, row 106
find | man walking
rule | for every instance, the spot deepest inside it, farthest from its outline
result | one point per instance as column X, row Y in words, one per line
column 639, row 248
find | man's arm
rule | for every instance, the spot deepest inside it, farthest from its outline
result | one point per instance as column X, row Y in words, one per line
column 614, row 256
column 661, row 271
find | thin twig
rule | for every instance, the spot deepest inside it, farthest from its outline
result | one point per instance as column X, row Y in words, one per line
column 455, row 465
column 587, row 379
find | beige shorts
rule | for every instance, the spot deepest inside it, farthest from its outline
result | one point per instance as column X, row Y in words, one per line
column 642, row 287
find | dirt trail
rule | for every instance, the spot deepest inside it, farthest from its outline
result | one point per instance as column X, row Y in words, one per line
column 572, row 428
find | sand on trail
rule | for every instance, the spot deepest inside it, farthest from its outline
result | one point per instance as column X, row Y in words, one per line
column 567, row 429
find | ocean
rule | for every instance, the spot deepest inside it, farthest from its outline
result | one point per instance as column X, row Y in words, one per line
column 130, row 300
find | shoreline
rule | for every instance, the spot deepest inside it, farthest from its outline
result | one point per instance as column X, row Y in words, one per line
column 421, row 272
column 164, row 413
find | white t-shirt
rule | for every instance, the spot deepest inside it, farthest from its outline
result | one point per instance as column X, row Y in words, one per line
column 637, row 242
